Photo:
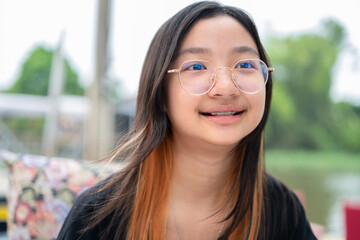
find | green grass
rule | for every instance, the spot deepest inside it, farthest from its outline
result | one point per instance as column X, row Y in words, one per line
column 312, row 160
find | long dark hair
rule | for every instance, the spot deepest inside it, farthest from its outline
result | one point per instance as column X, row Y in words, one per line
column 150, row 141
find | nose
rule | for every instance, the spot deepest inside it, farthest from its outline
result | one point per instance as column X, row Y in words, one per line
column 224, row 84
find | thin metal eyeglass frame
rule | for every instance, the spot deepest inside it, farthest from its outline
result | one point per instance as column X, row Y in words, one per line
column 269, row 69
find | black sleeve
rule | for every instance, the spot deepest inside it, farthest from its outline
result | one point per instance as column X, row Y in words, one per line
column 285, row 215
column 77, row 220
column 302, row 229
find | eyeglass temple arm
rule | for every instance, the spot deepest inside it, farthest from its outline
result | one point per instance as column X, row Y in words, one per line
column 271, row 69
column 173, row 71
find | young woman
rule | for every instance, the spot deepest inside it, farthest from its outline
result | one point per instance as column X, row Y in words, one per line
column 195, row 153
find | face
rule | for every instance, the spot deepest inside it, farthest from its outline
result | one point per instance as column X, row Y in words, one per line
column 224, row 115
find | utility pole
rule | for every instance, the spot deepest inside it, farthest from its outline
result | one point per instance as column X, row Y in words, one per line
column 56, row 82
column 100, row 127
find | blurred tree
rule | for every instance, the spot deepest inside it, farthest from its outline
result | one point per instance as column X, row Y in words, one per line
column 302, row 112
column 346, row 131
column 35, row 74
column 34, row 79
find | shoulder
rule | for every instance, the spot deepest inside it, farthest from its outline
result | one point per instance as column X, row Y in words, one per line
column 285, row 215
column 80, row 215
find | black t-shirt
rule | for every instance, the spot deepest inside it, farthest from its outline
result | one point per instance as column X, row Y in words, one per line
column 285, row 216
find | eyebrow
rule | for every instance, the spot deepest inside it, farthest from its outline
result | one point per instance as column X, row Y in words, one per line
column 194, row 50
column 200, row 50
column 245, row 49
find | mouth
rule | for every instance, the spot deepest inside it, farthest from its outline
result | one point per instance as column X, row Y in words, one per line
column 225, row 113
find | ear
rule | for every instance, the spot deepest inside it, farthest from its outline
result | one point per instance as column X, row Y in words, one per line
column 165, row 95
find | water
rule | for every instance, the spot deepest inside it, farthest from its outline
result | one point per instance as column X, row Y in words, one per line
column 325, row 194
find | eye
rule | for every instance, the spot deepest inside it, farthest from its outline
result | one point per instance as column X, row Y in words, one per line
column 245, row 65
column 194, row 67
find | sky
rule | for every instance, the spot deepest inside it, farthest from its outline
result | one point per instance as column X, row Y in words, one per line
column 25, row 24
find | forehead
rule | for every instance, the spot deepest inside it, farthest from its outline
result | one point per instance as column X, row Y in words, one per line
column 220, row 36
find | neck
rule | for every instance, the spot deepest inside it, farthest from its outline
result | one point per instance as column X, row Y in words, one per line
column 200, row 174
column 200, row 185
column 198, row 190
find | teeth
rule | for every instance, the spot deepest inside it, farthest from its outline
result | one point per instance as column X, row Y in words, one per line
column 227, row 113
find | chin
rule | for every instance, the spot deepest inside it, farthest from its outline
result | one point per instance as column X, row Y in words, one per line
column 228, row 143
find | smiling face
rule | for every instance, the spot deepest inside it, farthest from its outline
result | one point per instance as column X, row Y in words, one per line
column 224, row 115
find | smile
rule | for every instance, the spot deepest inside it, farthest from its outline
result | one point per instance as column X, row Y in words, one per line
column 226, row 113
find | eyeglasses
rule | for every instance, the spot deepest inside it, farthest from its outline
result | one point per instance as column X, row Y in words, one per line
column 197, row 77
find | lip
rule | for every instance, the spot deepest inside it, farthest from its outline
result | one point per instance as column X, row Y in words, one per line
column 223, row 108
column 224, row 119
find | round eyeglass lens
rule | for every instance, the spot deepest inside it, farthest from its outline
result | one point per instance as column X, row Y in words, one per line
column 197, row 77
column 251, row 75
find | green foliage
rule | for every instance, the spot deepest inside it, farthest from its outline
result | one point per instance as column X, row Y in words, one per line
column 26, row 128
column 72, row 86
column 34, row 79
column 302, row 114
column 317, row 161
column 35, row 74
column 346, row 130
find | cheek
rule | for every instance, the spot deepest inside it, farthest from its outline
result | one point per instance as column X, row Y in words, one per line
column 175, row 101
column 258, row 106
column 179, row 107
column 262, row 103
